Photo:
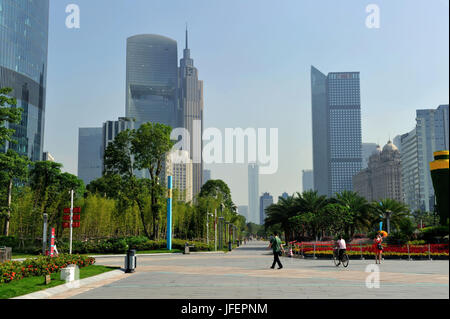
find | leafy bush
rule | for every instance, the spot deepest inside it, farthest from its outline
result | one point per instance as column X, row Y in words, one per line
column 434, row 233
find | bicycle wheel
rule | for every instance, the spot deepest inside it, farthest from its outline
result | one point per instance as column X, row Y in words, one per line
column 336, row 260
column 345, row 260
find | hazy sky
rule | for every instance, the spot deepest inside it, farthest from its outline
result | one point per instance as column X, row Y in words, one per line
column 255, row 58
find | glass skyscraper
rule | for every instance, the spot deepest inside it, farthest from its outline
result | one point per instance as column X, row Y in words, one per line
column 90, row 153
column 23, row 67
column 253, row 193
column 336, row 122
column 152, row 80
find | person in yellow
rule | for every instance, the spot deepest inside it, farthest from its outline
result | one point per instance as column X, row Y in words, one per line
column 277, row 248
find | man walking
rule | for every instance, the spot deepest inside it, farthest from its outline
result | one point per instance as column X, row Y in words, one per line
column 277, row 247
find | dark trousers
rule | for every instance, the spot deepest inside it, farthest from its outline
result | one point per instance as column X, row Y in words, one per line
column 276, row 260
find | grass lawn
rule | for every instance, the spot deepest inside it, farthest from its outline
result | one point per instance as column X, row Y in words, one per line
column 33, row 284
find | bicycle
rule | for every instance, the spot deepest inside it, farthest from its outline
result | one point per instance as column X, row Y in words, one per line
column 337, row 261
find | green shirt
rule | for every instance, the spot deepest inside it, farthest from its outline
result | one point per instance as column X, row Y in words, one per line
column 276, row 244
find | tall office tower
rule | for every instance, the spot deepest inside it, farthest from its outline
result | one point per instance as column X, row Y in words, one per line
column 206, row 175
column 336, row 123
column 90, row 154
column 429, row 135
column 367, row 151
column 253, row 193
column 23, row 67
column 243, row 210
column 285, row 195
column 191, row 104
column 182, row 175
column 264, row 201
column 307, row 180
column 382, row 178
column 152, row 79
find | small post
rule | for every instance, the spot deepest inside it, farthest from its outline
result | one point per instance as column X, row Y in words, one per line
column 409, row 256
column 44, row 235
column 71, row 220
column 303, row 256
column 169, row 213
column 314, row 254
column 429, row 252
column 360, row 246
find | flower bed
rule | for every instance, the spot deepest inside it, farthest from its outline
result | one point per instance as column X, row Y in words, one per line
column 433, row 250
column 40, row 266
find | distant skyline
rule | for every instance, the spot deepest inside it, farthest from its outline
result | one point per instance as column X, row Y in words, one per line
column 254, row 57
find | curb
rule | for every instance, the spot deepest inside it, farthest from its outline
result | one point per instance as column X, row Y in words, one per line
column 47, row 293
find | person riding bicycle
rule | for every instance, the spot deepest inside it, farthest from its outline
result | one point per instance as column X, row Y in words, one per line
column 342, row 247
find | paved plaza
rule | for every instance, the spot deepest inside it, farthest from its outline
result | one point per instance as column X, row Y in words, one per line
column 245, row 273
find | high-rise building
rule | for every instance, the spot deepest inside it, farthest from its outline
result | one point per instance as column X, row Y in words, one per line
column 307, row 180
column 367, row 151
column 23, row 67
column 264, row 201
column 429, row 135
column 336, row 124
column 90, row 154
column 152, row 80
column 285, row 195
column 46, row 156
column 253, row 193
column 191, row 104
column 182, row 175
column 206, row 175
column 243, row 210
column 382, row 178
column 112, row 128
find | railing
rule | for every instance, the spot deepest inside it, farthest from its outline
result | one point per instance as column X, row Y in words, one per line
column 314, row 249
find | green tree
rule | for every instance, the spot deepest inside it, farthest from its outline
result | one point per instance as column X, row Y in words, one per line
column 9, row 114
column 12, row 167
column 360, row 209
column 391, row 211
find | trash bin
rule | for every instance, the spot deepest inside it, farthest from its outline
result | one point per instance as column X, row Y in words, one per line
column 130, row 261
column 186, row 249
column 5, row 254
column 230, row 246
column 237, row 243
column 68, row 273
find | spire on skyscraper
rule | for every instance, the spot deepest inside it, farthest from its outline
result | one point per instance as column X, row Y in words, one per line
column 187, row 46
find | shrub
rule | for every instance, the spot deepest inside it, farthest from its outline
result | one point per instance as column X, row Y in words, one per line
column 40, row 266
column 434, row 233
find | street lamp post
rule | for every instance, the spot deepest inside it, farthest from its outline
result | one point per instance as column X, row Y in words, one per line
column 215, row 229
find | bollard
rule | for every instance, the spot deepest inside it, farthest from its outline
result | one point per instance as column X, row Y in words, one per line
column 130, row 261
column 186, row 249
column 360, row 246
column 230, row 246
column 303, row 255
column 314, row 254
column 409, row 256
column 429, row 252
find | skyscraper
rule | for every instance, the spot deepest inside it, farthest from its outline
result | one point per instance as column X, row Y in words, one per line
column 336, row 123
column 253, row 193
column 206, row 175
column 152, row 80
column 367, row 151
column 307, row 180
column 264, row 201
column 90, row 154
column 243, row 210
column 429, row 135
column 191, row 103
column 182, row 175
column 23, row 67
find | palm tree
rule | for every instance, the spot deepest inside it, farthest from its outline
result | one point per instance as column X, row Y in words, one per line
column 279, row 214
column 311, row 203
column 390, row 210
column 360, row 208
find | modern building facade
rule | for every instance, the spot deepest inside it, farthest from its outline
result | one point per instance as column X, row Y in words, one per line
column 152, row 80
column 307, row 180
column 264, row 201
column 112, row 128
column 382, row 178
column 336, row 123
column 191, row 104
column 253, row 193
column 243, row 210
column 23, row 67
column 182, row 175
column 90, row 154
column 46, row 156
column 429, row 135
column 206, row 175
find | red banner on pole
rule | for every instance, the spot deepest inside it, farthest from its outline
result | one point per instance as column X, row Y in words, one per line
column 76, row 210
